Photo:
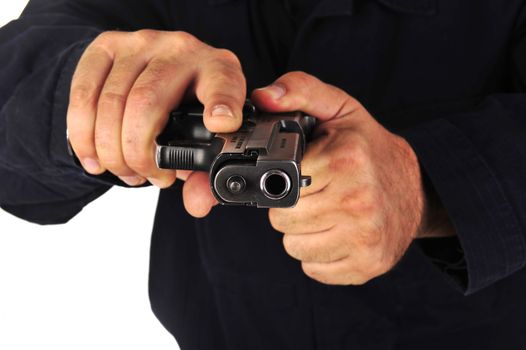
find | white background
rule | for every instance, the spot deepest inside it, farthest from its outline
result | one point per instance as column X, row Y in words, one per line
column 82, row 285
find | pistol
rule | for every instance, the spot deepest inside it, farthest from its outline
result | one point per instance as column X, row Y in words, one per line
column 258, row 165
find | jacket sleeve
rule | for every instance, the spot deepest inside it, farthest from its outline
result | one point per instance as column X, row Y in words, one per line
column 39, row 180
column 476, row 162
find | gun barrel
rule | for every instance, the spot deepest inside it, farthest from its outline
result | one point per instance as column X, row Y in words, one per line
column 275, row 184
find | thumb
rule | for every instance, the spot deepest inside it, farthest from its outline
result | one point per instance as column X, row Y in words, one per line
column 299, row 91
column 197, row 195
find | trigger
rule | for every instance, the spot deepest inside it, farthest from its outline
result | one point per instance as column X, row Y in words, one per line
column 305, row 181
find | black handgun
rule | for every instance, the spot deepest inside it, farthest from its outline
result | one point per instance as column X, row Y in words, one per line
column 258, row 165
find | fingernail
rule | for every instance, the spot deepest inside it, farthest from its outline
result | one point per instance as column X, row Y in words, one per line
column 156, row 182
column 277, row 91
column 132, row 180
column 222, row 110
column 91, row 165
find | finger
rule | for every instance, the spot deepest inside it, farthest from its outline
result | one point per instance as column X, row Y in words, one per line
column 326, row 246
column 311, row 214
column 154, row 94
column 184, row 174
column 197, row 195
column 303, row 92
column 86, row 85
column 315, row 163
column 110, row 113
column 220, row 86
column 334, row 273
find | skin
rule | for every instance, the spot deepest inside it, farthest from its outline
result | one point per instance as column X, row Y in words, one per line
column 125, row 85
column 366, row 203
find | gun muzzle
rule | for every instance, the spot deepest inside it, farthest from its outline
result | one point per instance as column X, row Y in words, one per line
column 275, row 184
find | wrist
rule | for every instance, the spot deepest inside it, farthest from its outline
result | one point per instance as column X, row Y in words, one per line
column 435, row 219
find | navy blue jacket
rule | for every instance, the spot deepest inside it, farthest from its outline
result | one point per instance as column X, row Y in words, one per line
column 448, row 75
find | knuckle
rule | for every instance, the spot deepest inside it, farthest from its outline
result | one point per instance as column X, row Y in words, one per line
column 185, row 37
column 77, row 133
column 111, row 99
column 317, row 274
column 145, row 37
column 140, row 161
column 357, row 280
column 141, row 97
column 379, row 268
column 371, row 260
column 276, row 219
column 229, row 57
column 369, row 237
column 111, row 159
column 300, row 84
column 82, row 94
column 370, row 267
column 166, row 181
column 107, row 35
column 358, row 156
column 103, row 143
column 360, row 202
column 311, row 271
column 293, row 246
column 108, row 151
column 102, row 39
column 106, row 40
column 183, row 42
column 113, row 164
column 354, row 275
column 350, row 104
column 298, row 77
column 353, row 157
column 380, row 262
column 81, row 144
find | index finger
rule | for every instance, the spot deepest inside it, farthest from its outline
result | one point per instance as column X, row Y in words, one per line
column 315, row 163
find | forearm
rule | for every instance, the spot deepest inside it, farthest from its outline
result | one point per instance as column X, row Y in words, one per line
column 475, row 161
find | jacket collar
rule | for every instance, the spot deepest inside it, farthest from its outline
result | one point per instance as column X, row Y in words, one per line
column 346, row 7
